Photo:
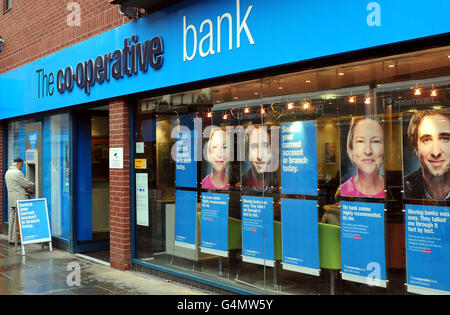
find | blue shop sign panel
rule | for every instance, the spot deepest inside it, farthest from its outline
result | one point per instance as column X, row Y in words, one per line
column 427, row 249
column 197, row 40
column 363, row 251
column 33, row 221
column 186, row 219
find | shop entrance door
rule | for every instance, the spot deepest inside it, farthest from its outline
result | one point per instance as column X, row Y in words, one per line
column 91, row 197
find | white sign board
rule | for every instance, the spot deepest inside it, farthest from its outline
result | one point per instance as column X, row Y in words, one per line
column 142, row 199
column 116, row 158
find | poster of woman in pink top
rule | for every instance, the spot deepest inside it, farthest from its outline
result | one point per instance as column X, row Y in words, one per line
column 365, row 149
column 218, row 162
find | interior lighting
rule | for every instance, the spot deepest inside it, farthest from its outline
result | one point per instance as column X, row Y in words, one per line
column 341, row 73
column 290, row 105
column 225, row 116
column 418, row 92
column 391, row 66
column 433, row 93
column 367, row 101
column 209, row 115
column 352, row 99
column 263, row 111
column 246, row 110
column 306, row 105
column 308, row 81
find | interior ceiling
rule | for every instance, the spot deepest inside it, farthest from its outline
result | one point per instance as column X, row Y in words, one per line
column 419, row 65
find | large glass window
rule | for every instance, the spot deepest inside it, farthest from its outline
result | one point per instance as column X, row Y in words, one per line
column 300, row 183
column 50, row 138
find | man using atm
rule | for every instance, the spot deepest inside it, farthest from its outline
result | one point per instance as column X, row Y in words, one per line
column 19, row 188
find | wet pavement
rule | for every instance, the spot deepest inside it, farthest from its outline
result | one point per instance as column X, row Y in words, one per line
column 41, row 272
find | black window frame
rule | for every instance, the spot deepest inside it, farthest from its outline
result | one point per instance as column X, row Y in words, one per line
column 7, row 6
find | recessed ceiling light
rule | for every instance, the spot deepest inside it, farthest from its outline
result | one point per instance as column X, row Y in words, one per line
column 280, row 87
column 341, row 73
column 308, row 81
column 391, row 66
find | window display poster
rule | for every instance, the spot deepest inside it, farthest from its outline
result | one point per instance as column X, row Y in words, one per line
column 185, row 218
column 427, row 249
column 214, row 224
column 257, row 230
column 142, row 199
column 426, row 155
column 362, row 157
column 186, row 165
column 363, row 243
column 300, row 235
column 299, row 158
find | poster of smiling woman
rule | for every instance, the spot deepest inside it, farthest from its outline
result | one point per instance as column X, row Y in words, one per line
column 362, row 158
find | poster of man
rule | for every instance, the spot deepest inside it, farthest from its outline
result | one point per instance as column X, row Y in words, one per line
column 261, row 175
column 426, row 155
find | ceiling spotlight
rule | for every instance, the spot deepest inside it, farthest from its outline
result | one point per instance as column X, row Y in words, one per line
column 433, row 93
column 367, row 101
column 352, row 99
column 225, row 116
column 391, row 66
column 280, row 87
column 290, row 105
column 418, row 92
column 308, row 81
column 209, row 115
column 263, row 111
column 246, row 110
column 306, row 105
column 341, row 73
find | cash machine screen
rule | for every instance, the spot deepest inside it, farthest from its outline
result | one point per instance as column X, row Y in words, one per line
column 30, row 157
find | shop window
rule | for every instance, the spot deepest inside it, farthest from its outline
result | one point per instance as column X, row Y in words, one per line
column 52, row 178
column 273, row 185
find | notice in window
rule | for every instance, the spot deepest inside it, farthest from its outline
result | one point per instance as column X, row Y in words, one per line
column 427, row 248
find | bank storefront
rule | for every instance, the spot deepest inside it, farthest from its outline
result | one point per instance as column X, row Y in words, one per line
column 289, row 149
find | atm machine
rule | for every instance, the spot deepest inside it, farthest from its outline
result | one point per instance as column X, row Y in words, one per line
column 32, row 170
column 33, row 156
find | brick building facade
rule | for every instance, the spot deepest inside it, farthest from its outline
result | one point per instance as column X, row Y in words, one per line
column 35, row 29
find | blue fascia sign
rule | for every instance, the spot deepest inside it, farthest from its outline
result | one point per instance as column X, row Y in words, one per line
column 197, row 40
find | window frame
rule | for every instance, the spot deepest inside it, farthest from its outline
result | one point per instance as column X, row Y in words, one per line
column 7, row 6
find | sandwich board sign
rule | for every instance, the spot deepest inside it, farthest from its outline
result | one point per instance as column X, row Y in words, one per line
column 33, row 222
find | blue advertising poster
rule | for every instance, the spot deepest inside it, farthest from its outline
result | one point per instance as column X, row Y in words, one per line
column 185, row 218
column 33, row 221
column 299, row 158
column 257, row 230
column 300, row 235
column 214, row 224
column 363, row 243
column 186, row 165
column 427, row 249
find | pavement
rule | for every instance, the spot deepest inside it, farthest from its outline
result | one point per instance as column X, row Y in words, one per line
column 41, row 272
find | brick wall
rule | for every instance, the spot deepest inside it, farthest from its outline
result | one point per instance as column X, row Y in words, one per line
column 37, row 28
column 119, row 188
